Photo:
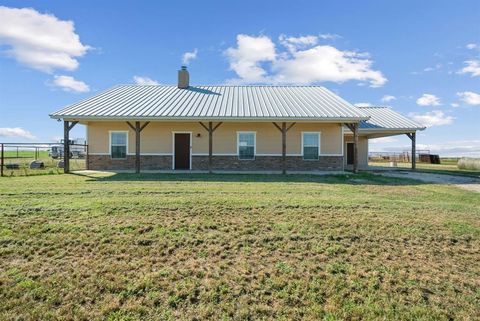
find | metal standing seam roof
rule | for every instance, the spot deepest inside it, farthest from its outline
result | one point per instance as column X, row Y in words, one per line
column 152, row 102
column 382, row 118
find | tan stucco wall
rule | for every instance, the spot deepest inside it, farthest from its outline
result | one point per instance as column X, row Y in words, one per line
column 157, row 137
column 362, row 150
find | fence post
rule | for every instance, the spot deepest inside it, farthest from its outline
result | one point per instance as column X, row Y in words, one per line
column 1, row 163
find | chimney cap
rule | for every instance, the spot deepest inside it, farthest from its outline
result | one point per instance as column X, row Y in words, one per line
column 184, row 67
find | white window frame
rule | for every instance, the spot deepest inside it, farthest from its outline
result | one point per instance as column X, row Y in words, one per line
column 110, row 132
column 254, row 144
column 319, row 145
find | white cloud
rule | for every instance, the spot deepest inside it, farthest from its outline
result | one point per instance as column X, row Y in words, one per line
column 304, row 62
column 328, row 36
column 432, row 118
column 189, row 56
column 363, row 104
column 40, row 41
column 454, row 105
column 383, row 140
column 388, row 98
column 140, row 80
column 428, row 100
column 326, row 63
column 68, row 83
column 295, row 43
column 470, row 98
column 246, row 58
column 472, row 46
column 16, row 132
column 473, row 68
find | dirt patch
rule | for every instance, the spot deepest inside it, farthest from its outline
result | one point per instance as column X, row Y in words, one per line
column 467, row 183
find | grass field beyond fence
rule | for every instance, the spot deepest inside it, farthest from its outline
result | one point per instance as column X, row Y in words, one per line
column 237, row 247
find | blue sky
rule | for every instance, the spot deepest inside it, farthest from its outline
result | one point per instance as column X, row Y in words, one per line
column 421, row 57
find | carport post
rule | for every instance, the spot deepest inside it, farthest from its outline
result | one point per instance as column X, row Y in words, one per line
column 355, row 148
column 67, row 126
column 1, row 163
column 413, row 138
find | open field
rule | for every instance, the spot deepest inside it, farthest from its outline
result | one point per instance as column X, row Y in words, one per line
column 25, row 154
column 448, row 166
column 237, row 247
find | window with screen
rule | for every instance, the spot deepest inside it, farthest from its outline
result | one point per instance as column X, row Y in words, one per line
column 246, row 145
column 311, row 145
column 118, row 144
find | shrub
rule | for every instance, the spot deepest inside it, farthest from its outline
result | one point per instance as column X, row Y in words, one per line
column 469, row 163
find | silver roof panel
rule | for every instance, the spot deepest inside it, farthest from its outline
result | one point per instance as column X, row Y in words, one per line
column 382, row 118
column 214, row 102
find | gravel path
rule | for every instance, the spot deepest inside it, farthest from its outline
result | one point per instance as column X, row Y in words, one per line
column 468, row 183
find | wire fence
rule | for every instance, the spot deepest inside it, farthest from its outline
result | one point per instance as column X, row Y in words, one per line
column 24, row 159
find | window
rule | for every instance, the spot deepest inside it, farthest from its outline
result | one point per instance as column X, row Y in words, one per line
column 246, row 145
column 118, row 144
column 311, row 145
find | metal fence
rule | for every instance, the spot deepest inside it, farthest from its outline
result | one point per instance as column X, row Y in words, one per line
column 397, row 157
column 24, row 159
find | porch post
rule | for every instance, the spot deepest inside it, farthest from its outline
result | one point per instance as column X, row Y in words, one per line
column 137, row 147
column 210, row 129
column 66, row 147
column 284, row 129
column 355, row 148
column 138, row 129
column 284, row 148
column 1, row 162
column 210, row 146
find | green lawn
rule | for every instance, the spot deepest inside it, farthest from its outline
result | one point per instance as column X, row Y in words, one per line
column 237, row 247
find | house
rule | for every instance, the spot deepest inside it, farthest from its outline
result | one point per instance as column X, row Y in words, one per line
column 228, row 128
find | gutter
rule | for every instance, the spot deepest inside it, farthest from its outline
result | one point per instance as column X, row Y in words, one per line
column 225, row 119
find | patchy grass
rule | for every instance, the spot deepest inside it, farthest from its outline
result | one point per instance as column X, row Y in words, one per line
column 237, row 247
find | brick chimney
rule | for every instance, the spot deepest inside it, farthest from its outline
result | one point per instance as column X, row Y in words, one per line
column 183, row 78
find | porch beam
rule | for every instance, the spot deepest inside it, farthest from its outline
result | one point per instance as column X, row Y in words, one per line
column 144, row 125
column 131, row 126
column 72, row 124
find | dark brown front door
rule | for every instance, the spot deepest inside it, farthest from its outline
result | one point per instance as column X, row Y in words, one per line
column 182, row 151
column 350, row 154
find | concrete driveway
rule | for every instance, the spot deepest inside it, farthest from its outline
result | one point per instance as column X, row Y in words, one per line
column 467, row 183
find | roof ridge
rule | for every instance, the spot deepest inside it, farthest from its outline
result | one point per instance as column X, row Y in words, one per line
column 174, row 85
column 374, row 107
